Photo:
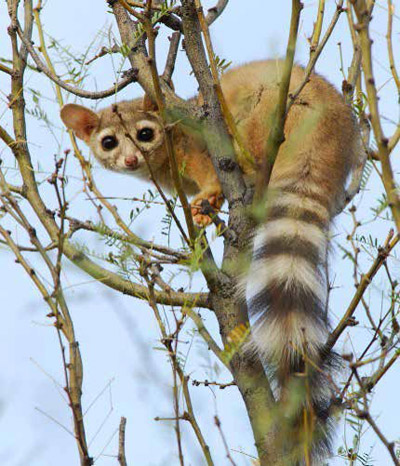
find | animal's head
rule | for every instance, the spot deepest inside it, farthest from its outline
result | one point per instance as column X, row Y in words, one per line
column 120, row 136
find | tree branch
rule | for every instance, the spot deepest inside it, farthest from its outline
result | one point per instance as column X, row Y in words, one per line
column 171, row 57
column 121, row 442
column 215, row 11
column 131, row 75
column 366, row 280
column 364, row 18
column 215, row 131
column 315, row 51
column 276, row 136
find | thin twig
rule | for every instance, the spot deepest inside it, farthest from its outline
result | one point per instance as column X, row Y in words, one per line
column 315, row 52
column 121, row 442
column 207, row 383
column 276, row 136
column 390, row 446
column 215, row 11
column 169, row 255
column 104, row 51
column 216, row 133
column 392, row 63
column 217, row 85
column 130, row 76
column 155, row 182
column 221, row 433
column 160, row 101
column 6, row 69
column 366, row 280
column 189, row 414
column 317, row 29
column 365, row 414
column 171, row 57
column 364, row 17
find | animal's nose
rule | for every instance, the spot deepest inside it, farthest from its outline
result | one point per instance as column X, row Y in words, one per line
column 131, row 161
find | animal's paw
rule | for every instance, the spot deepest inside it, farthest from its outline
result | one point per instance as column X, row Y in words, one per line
column 200, row 215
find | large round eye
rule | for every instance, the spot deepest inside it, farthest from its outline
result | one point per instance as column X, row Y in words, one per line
column 109, row 142
column 145, row 134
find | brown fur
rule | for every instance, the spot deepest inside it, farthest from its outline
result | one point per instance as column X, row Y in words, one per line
column 320, row 120
column 285, row 287
column 320, row 131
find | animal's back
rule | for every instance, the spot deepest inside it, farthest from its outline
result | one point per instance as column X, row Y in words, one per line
column 319, row 129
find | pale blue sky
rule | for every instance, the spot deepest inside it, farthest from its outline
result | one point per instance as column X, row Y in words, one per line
column 117, row 334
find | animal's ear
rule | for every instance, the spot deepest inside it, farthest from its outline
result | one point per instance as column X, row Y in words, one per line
column 81, row 120
column 148, row 104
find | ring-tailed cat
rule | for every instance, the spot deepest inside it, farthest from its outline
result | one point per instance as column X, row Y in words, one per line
column 286, row 289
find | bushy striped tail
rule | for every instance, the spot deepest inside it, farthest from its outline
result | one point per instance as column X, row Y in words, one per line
column 286, row 297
